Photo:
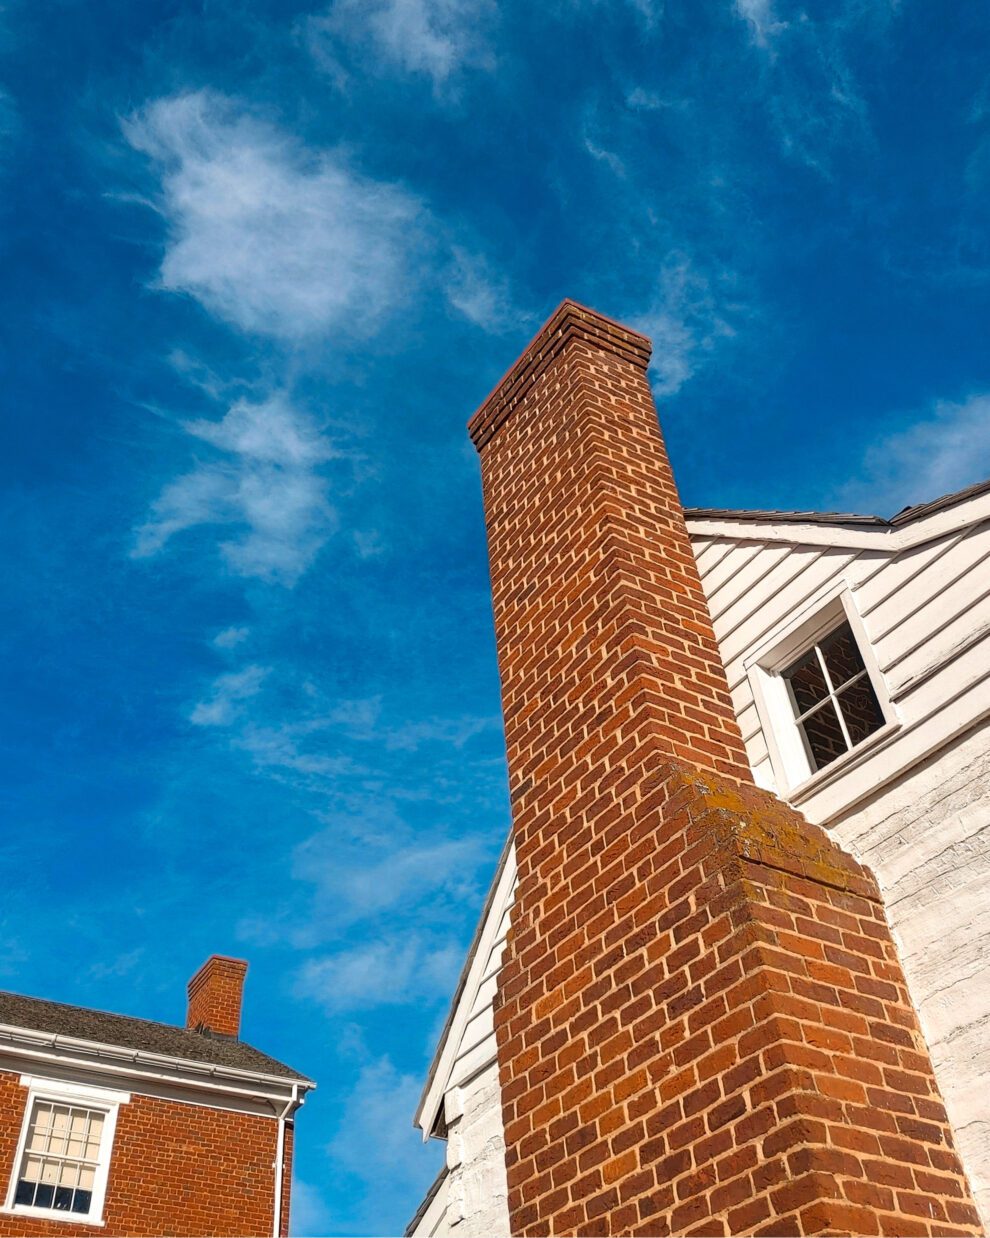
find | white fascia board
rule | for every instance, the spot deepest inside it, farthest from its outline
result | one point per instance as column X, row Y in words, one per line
column 432, row 1101
column 136, row 1064
column 889, row 538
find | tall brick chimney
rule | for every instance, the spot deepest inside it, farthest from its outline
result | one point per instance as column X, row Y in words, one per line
column 702, row 1023
column 215, row 994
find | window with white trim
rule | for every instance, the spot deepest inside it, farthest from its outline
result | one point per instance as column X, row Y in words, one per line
column 835, row 705
column 818, row 691
column 63, row 1154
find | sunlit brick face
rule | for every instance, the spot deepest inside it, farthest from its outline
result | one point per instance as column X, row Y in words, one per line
column 702, row 1024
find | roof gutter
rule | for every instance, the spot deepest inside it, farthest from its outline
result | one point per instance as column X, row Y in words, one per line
column 143, row 1064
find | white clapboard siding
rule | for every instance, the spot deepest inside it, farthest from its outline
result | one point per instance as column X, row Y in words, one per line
column 897, row 571
column 477, row 1046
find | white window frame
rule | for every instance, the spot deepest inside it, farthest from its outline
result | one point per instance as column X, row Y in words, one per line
column 60, row 1092
column 792, row 767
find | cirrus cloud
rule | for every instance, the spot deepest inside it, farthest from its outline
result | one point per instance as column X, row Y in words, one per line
column 267, row 234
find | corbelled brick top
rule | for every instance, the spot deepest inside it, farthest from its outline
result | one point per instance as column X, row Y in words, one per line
column 568, row 321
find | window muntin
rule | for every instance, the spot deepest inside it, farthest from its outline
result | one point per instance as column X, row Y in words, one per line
column 62, row 1163
column 60, row 1159
column 834, row 702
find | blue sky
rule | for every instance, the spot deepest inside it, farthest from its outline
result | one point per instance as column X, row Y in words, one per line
column 262, row 259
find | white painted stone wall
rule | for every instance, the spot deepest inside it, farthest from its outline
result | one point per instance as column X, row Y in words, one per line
column 477, row 1196
column 927, row 839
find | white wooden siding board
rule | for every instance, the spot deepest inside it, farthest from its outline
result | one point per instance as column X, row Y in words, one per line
column 763, row 775
column 916, row 664
column 796, row 565
column 483, row 998
column 970, row 637
column 724, row 571
column 928, row 627
column 477, row 1029
column 787, row 601
column 941, row 580
column 713, row 553
column 746, row 580
column 494, row 962
column 749, row 720
column 469, row 1064
column 901, row 569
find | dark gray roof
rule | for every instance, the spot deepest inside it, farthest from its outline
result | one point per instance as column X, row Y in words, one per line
column 844, row 518
column 37, row 1015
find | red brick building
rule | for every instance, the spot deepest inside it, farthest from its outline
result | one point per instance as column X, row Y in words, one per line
column 685, row 1011
column 116, row 1125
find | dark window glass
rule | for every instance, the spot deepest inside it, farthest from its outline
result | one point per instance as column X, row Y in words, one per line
column 860, row 710
column 63, row 1199
column 824, row 735
column 83, row 1201
column 841, row 655
column 807, row 681
column 44, row 1197
column 25, row 1192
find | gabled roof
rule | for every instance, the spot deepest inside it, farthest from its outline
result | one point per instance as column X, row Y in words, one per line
column 903, row 517
column 98, row 1027
column 910, row 527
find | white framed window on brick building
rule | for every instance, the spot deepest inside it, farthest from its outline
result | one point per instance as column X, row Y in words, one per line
column 818, row 691
column 62, row 1162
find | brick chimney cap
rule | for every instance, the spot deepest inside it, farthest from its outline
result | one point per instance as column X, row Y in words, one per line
column 570, row 321
column 240, row 965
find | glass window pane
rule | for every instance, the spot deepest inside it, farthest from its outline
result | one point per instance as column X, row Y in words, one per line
column 861, row 710
column 44, row 1196
column 824, row 736
column 63, row 1199
column 32, row 1169
column 807, row 683
column 86, row 1176
column 25, row 1192
column 83, row 1201
column 842, row 656
column 68, row 1173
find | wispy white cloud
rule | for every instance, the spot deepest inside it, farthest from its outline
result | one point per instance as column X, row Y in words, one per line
column 380, row 973
column 437, row 39
column 269, row 235
column 686, row 323
column 264, row 482
column 222, row 705
column 398, row 876
column 121, row 965
column 760, row 16
column 285, row 749
column 813, row 99
column 942, row 451
column 230, row 638
column 480, row 293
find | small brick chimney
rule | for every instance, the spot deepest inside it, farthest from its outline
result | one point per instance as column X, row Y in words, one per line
column 702, row 1023
column 215, row 994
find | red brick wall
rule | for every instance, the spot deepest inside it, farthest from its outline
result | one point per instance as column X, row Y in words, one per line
column 175, row 1169
column 701, row 1021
